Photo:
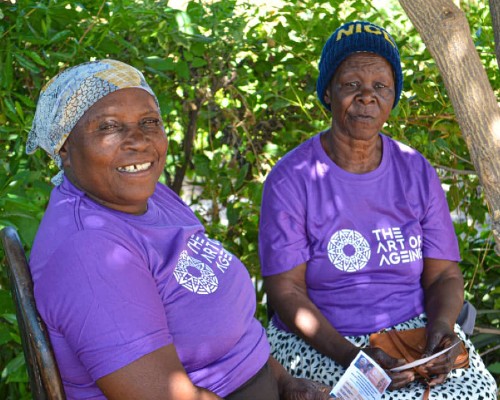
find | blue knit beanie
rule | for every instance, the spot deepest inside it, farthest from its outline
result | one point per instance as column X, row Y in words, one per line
column 355, row 37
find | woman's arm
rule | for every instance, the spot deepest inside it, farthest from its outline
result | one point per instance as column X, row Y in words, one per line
column 443, row 286
column 161, row 376
column 157, row 375
column 287, row 295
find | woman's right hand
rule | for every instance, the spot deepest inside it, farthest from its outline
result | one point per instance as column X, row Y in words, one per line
column 398, row 379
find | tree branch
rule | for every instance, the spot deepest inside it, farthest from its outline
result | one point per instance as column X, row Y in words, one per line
column 480, row 329
column 456, row 171
column 495, row 21
column 188, row 142
column 490, row 350
column 96, row 19
column 446, row 33
column 193, row 112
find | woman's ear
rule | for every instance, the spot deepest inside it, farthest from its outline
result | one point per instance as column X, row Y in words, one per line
column 64, row 154
column 326, row 97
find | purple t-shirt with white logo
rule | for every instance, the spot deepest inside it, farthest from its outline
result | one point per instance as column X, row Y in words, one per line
column 113, row 287
column 363, row 236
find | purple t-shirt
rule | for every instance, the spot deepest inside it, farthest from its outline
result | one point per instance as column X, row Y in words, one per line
column 363, row 236
column 113, row 287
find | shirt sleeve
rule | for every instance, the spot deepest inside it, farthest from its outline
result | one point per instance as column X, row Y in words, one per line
column 439, row 238
column 283, row 242
column 98, row 292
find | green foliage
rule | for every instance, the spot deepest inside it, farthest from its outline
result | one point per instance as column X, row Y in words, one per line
column 236, row 85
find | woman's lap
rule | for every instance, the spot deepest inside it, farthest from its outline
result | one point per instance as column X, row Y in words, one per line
column 261, row 386
column 303, row 361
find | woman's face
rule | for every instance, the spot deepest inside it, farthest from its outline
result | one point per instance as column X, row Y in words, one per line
column 117, row 150
column 361, row 95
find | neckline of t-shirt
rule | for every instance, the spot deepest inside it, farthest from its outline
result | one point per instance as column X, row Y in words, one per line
column 150, row 216
column 349, row 176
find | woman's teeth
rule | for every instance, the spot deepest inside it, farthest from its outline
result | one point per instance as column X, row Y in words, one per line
column 135, row 167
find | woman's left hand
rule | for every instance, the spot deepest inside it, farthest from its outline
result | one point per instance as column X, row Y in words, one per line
column 439, row 337
column 303, row 389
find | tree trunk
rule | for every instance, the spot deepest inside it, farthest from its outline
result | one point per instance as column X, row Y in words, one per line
column 446, row 33
column 495, row 21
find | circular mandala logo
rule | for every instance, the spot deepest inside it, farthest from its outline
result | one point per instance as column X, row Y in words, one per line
column 195, row 275
column 348, row 250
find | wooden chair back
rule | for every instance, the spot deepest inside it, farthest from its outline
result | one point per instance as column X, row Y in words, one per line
column 44, row 376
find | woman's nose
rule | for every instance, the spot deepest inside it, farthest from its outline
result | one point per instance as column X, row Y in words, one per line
column 366, row 93
column 135, row 136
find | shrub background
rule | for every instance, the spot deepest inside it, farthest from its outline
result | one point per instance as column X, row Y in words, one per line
column 236, row 85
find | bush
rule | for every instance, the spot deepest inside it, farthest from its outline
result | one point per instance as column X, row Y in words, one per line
column 236, row 87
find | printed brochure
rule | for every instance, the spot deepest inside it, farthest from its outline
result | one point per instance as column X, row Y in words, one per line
column 363, row 380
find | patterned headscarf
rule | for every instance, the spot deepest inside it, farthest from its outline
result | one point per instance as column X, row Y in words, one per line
column 67, row 96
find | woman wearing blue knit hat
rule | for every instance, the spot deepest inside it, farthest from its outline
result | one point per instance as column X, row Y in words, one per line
column 356, row 237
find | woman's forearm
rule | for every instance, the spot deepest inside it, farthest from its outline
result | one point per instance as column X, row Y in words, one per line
column 443, row 291
column 288, row 297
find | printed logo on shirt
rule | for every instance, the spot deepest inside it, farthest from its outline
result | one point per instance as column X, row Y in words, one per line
column 196, row 272
column 348, row 250
column 211, row 251
column 195, row 275
column 394, row 248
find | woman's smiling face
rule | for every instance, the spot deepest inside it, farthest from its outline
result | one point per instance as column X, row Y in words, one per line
column 116, row 152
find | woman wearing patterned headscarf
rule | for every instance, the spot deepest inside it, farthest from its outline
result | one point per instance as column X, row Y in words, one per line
column 356, row 237
column 138, row 301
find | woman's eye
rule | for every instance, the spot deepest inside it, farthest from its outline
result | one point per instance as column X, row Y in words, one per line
column 151, row 123
column 380, row 85
column 109, row 127
column 351, row 85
